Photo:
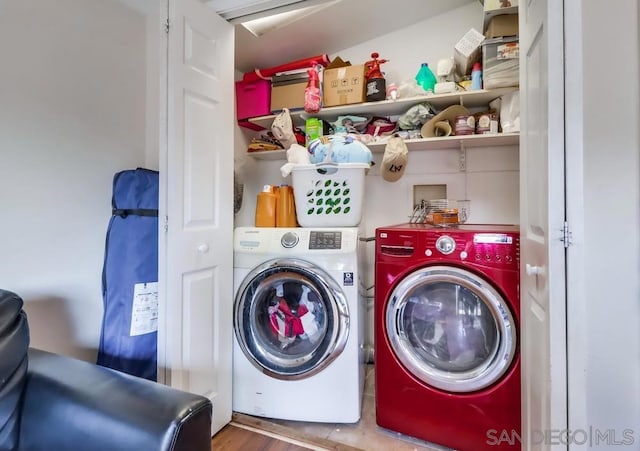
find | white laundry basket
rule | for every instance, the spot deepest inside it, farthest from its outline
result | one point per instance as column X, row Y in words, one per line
column 329, row 194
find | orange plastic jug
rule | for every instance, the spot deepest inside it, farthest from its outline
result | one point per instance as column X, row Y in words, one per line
column 266, row 207
column 286, row 207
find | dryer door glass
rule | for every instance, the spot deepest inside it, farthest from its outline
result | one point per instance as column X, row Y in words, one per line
column 290, row 318
column 451, row 329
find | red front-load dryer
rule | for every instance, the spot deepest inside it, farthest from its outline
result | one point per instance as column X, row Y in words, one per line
column 446, row 334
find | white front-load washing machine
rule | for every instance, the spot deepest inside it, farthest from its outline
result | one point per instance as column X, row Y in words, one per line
column 298, row 324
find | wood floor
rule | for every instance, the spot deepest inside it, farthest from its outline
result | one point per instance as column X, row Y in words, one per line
column 235, row 438
column 365, row 435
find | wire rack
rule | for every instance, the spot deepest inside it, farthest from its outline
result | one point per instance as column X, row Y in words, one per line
column 441, row 212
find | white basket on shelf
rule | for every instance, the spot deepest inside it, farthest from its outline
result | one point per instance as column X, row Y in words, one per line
column 329, row 194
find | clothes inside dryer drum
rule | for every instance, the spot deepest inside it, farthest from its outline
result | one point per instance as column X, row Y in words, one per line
column 450, row 327
column 452, row 330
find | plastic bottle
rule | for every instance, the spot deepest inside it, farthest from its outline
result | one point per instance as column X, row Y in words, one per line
column 373, row 66
column 266, row 207
column 376, row 83
column 425, row 78
column 286, row 207
column 312, row 99
column 476, row 76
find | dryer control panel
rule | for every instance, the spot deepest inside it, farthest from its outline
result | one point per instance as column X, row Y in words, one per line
column 489, row 249
column 493, row 246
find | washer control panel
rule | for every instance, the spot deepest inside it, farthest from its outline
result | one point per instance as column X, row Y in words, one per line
column 322, row 239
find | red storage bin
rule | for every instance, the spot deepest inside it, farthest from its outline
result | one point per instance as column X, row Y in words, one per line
column 253, row 99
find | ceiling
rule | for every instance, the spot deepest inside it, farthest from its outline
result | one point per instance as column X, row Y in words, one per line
column 340, row 25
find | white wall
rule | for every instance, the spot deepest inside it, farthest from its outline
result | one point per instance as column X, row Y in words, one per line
column 603, row 173
column 424, row 42
column 491, row 179
column 72, row 114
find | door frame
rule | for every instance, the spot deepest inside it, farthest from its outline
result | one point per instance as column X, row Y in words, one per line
column 164, row 362
column 196, row 214
column 543, row 252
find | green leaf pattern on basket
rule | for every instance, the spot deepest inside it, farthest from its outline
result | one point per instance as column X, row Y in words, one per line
column 332, row 198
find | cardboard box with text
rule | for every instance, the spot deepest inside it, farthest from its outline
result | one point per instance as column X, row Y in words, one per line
column 343, row 85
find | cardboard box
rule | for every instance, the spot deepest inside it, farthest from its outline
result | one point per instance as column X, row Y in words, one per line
column 500, row 63
column 253, row 99
column 501, row 26
column 467, row 51
column 343, row 85
column 492, row 5
column 287, row 91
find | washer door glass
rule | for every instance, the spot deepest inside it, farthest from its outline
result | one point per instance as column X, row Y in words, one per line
column 291, row 318
column 451, row 329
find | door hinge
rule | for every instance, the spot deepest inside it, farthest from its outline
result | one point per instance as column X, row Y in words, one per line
column 166, row 224
column 166, row 26
column 566, row 235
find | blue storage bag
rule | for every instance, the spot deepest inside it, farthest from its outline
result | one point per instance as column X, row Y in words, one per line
column 128, row 339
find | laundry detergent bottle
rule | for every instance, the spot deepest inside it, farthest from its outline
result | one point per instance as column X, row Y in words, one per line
column 286, row 207
column 476, row 77
column 266, row 204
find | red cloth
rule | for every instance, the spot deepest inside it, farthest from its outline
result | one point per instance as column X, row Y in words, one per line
column 292, row 323
column 266, row 74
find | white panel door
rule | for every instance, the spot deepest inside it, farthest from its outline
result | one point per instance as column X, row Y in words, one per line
column 542, row 216
column 198, row 257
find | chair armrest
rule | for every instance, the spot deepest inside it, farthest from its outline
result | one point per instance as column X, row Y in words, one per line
column 69, row 404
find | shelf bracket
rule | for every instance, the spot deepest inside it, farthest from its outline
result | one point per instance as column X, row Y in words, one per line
column 462, row 158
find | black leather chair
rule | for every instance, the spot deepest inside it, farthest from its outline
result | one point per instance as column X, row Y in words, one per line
column 57, row 403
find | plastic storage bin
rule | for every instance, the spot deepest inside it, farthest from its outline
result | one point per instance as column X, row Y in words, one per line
column 329, row 194
column 253, row 99
column 500, row 63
